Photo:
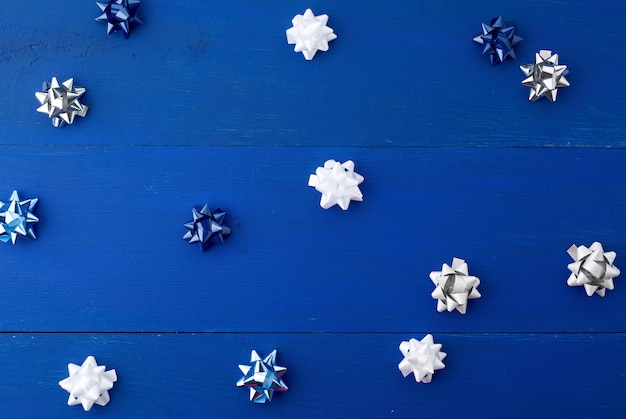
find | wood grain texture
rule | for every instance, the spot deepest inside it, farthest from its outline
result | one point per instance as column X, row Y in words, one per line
column 110, row 256
column 206, row 102
column 336, row 375
column 402, row 73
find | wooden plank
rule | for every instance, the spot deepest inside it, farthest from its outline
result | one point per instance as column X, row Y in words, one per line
column 401, row 73
column 336, row 375
column 110, row 254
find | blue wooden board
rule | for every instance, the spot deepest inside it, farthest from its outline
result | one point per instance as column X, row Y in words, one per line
column 120, row 211
column 329, row 375
column 400, row 73
column 208, row 103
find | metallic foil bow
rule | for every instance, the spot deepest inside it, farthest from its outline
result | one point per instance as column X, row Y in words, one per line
column 206, row 227
column 88, row 384
column 545, row 76
column 338, row 183
column 498, row 40
column 592, row 268
column 119, row 15
column 422, row 358
column 61, row 102
column 262, row 377
column 17, row 218
column 454, row 286
column 310, row 34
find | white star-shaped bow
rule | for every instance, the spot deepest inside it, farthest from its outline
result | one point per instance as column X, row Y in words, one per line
column 454, row 286
column 545, row 76
column 422, row 358
column 310, row 34
column 338, row 183
column 592, row 268
column 88, row 384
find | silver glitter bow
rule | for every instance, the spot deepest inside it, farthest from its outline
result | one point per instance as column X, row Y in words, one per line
column 545, row 76
column 61, row 102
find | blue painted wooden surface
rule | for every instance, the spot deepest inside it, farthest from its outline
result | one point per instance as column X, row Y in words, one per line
column 112, row 218
column 207, row 103
column 400, row 73
column 329, row 375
